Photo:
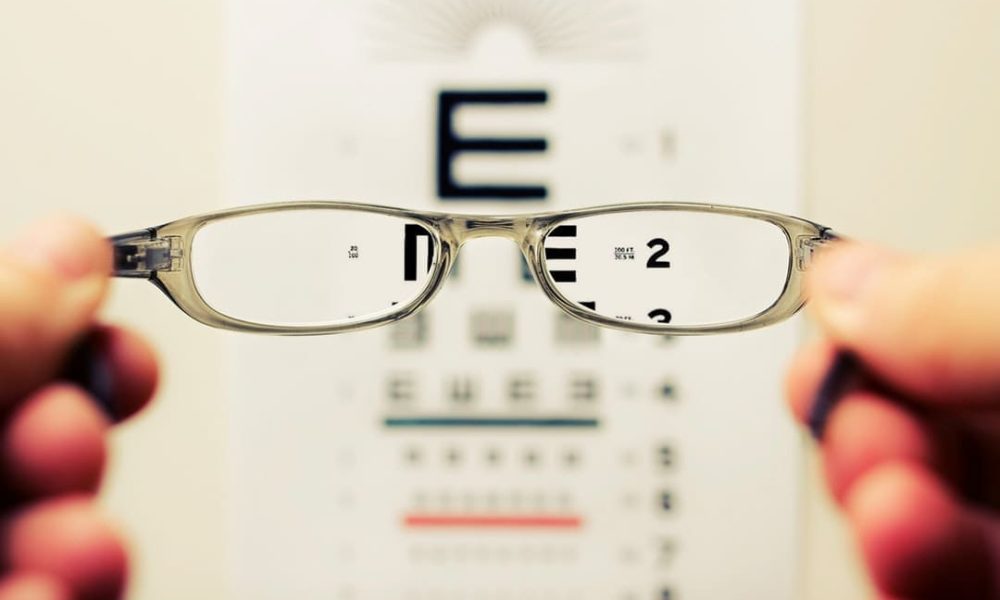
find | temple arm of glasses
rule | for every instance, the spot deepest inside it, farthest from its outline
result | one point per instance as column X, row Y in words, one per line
column 829, row 235
column 141, row 253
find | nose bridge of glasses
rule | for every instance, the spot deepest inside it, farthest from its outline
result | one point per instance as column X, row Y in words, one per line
column 462, row 228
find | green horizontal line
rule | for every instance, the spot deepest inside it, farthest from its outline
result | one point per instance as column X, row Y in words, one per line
column 487, row 422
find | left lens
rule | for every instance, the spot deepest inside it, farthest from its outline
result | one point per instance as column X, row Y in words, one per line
column 312, row 267
column 676, row 268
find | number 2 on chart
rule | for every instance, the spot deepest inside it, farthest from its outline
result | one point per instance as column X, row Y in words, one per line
column 654, row 261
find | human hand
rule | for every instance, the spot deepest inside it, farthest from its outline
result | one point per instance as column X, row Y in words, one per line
column 911, row 452
column 54, row 542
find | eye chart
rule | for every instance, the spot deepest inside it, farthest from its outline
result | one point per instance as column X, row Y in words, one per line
column 490, row 447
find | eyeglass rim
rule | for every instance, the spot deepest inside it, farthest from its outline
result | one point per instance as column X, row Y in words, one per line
column 449, row 231
column 800, row 234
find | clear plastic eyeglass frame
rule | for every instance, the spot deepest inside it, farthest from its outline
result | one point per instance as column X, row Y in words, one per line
column 163, row 254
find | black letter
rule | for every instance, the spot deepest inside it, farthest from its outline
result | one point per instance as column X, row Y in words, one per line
column 450, row 145
column 411, row 232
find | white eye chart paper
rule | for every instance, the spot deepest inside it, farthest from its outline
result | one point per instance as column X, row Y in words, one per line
column 490, row 447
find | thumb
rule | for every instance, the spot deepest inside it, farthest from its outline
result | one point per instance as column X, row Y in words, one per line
column 928, row 327
column 52, row 279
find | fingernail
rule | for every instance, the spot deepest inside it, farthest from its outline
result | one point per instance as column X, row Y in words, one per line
column 842, row 280
column 87, row 365
column 843, row 376
column 60, row 246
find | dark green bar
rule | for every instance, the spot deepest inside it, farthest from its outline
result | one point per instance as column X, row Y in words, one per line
column 488, row 422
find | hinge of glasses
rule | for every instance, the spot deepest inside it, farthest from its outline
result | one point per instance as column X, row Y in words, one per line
column 141, row 253
column 809, row 244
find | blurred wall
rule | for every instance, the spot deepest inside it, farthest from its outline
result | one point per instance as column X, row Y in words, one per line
column 111, row 109
column 904, row 129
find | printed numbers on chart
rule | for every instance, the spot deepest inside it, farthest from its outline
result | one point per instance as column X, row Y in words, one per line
column 660, row 315
column 655, row 261
column 624, row 253
column 352, row 252
column 666, row 501
column 665, row 456
column 657, row 315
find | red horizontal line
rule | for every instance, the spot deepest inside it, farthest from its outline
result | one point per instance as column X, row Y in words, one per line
column 493, row 521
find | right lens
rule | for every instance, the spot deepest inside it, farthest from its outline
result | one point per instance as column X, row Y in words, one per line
column 311, row 267
column 678, row 268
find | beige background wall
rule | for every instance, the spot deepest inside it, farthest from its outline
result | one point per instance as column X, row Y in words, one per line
column 111, row 109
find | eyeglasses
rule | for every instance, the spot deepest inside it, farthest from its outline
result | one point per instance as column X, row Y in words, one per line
column 319, row 267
